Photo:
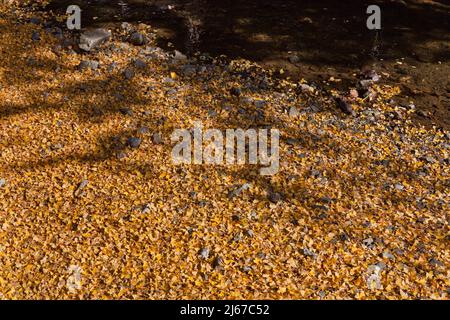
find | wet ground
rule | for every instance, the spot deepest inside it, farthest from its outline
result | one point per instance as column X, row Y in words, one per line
column 312, row 39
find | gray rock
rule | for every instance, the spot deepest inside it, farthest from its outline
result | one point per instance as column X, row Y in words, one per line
column 157, row 138
column 373, row 279
column 121, row 155
column 129, row 73
column 306, row 88
column 344, row 106
column 35, row 36
column 88, row 64
column 293, row 112
column 365, row 83
column 247, row 269
column 112, row 66
column 125, row 26
column 137, row 39
column 239, row 190
column 83, row 184
column 91, row 39
column 294, row 59
column 134, row 142
column 35, row 20
column 435, row 262
column 260, row 103
column 274, row 197
column 315, row 173
column 143, row 130
column 126, row 111
column 309, row 253
column 168, row 80
column 218, row 263
column 368, row 242
column 388, row 255
column 140, row 64
column 178, row 56
column 56, row 146
column 204, row 253
column 2, row 182
column 189, row 70
column 236, row 91
column 212, row 113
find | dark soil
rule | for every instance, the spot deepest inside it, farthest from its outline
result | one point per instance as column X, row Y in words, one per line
column 329, row 38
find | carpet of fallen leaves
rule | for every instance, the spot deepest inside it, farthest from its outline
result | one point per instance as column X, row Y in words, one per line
column 359, row 209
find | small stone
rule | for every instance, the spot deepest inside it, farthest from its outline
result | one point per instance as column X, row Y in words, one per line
column 309, row 253
column 93, row 38
column 306, row 88
column 204, row 253
column 260, row 104
column 129, row 73
column 235, row 91
column 422, row 114
column 249, row 233
column 157, row 138
column 126, row 111
column 35, row 36
column 145, row 209
column 2, row 182
column 399, row 187
column 35, row 20
column 125, row 26
column 137, row 39
column 143, row 130
column 430, row 159
column 247, row 269
column 140, row 64
column 344, row 106
column 235, row 218
column 237, row 237
column 212, row 113
column 344, row 237
column 293, row 112
column 218, row 263
column 365, row 83
column 168, row 80
column 178, row 56
column 368, row 242
column 134, row 142
column 121, row 155
column 315, row 173
column 56, row 146
column 112, row 66
column 88, row 64
column 294, row 59
column 80, row 187
column 189, row 70
column 274, row 197
column 354, row 93
column 388, row 255
column 326, row 200
column 435, row 262
column 236, row 192
column 373, row 279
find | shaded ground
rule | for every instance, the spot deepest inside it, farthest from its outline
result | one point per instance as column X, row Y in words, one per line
column 329, row 38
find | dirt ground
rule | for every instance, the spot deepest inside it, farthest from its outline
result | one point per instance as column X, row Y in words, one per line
column 327, row 39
